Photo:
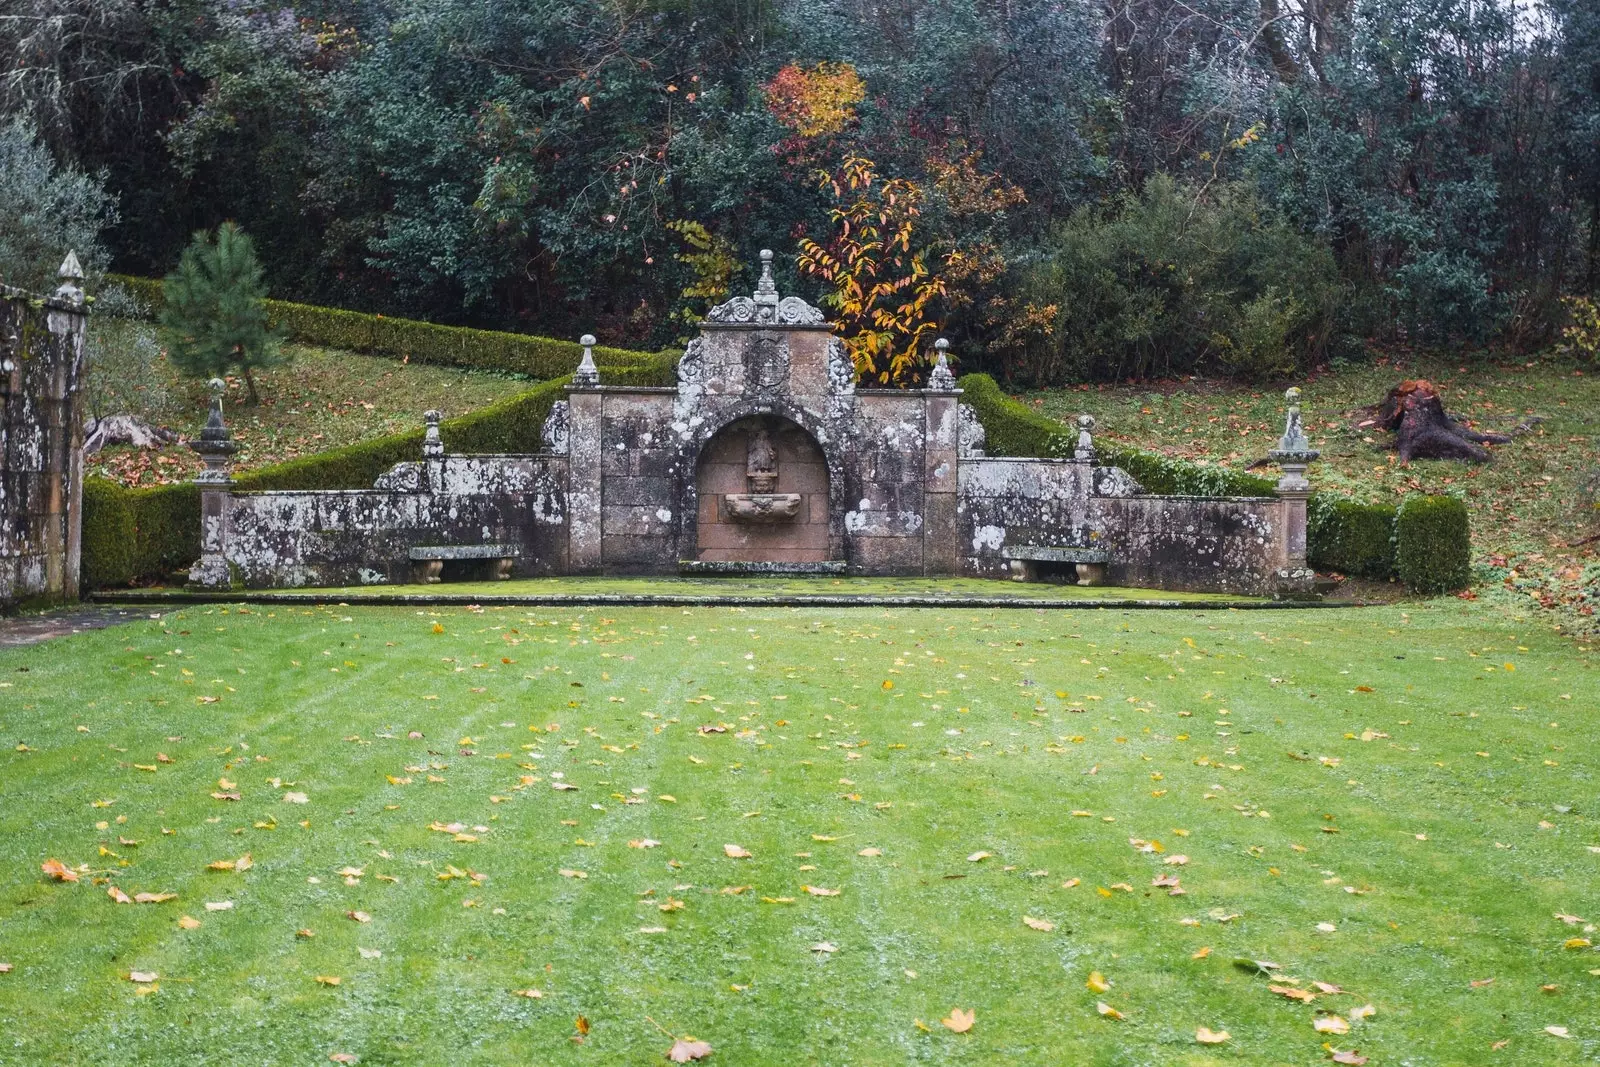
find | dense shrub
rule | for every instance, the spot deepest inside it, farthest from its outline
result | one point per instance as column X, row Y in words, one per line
column 109, row 533
column 147, row 534
column 1433, row 544
column 420, row 342
column 1350, row 538
column 1175, row 279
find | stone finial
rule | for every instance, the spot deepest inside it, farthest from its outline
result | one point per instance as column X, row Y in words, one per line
column 587, row 375
column 1294, row 452
column 941, row 377
column 1085, row 446
column 71, row 273
column 216, row 444
column 432, row 443
column 766, row 289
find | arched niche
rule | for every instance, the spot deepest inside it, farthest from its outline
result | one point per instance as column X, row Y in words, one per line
column 743, row 514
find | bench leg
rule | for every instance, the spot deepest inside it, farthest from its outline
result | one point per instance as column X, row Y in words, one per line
column 1091, row 574
column 502, row 568
column 1019, row 570
column 426, row 571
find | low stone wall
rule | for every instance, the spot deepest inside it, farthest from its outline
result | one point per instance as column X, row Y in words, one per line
column 363, row 537
column 41, row 443
column 1195, row 544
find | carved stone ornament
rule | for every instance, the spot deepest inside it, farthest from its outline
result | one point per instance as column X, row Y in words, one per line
column 941, row 377
column 766, row 364
column 762, row 507
column 557, row 427
column 765, row 308
column 841, row 369
column 973, row 438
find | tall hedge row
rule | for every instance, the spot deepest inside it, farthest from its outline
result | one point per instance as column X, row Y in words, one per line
column 133, row 535
column 1428, row 551
column 418, row 342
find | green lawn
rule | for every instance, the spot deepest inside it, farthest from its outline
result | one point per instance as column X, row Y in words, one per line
column 1397, row 800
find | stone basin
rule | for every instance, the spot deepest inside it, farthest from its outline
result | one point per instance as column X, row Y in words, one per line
column 762, row 507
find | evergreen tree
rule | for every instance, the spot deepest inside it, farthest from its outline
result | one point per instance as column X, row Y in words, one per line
column 215, row 316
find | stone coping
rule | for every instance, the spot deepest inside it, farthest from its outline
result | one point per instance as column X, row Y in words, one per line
column 178, row 597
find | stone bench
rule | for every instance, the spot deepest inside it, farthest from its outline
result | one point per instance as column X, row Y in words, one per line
column 427, row 561
column 1089, row 563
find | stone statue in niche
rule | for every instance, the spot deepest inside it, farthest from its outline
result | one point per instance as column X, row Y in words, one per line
column 761, row 463
column 761, row 504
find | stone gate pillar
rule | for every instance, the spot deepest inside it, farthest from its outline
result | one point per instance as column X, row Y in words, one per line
column 41, row 440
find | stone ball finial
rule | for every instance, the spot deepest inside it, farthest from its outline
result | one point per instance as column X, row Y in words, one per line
column 941, row 346
column 1086, row 423
column 432, row 417
column 1292, row 394
column 217, row 386
column 588, row 340
column 766, row 255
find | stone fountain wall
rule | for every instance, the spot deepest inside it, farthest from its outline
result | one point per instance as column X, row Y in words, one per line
column 766, row 455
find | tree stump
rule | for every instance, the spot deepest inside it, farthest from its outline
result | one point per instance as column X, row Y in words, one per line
column 1422, row 428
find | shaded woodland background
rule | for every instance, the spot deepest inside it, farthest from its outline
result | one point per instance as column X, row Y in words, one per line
column 1069, row 190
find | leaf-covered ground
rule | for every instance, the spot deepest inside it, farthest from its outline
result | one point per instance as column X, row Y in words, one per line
column 514, row 820
column 324, row 399
column 1530, row 505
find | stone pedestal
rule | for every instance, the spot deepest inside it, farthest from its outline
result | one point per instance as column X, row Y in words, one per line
column 1295, row 579
column 216, row 448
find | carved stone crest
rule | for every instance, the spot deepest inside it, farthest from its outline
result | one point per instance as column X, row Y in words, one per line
column 766, row 364
column 557, row 427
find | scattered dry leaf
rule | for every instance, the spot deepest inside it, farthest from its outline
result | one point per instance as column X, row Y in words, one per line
column 1211, row 1037
column 1330, row 1024
column 1107, row 1010
column 960, row 1021
column 58, row 870
column 685, row 1049
column 735, row 852
column 1038, row 924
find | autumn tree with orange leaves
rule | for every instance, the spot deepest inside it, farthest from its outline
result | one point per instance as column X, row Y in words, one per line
column 881, row 284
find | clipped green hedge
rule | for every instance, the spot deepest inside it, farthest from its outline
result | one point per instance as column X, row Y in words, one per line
column 1350, row 538
column 418, row 342
column 1341, row 535
column 1433, row 544
column 109, row 531
column 134, row 535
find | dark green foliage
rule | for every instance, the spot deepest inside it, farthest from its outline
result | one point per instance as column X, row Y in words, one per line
column 1175, row 279
column 109, row 531
column 418, row 342
column 46, row 211
column 147, row 534
column 1350, row 538
column 1010, row 428
column 213, row 315
column 1433, row 544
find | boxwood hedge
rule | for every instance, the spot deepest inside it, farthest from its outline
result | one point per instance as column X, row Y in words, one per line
column 417, row 342
column 1433, row 550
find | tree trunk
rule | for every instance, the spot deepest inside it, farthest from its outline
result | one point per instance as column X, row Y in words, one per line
column 250, row 388
column 1422, row 428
